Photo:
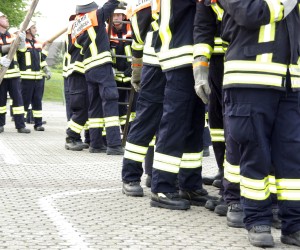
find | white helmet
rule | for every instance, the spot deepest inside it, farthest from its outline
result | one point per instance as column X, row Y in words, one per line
column 120, row 11
column 13, row 30
column 30, row 24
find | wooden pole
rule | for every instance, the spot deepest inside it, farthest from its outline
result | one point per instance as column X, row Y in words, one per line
column 54, row 37
column 16, row 42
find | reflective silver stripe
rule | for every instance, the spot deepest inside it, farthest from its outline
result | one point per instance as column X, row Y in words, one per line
column 96, row 122
column 133, row 156
column 231, row 172
column 191, row 160
column 37, row 113
column 276, row 10
column 2, row 109
column 202, row 49
column 111, row 121
column 255, row 189
column 217, row 135
column 272, row 182
column 166, row 163
column 77, row 128
column 18, row 110
column 136, row 148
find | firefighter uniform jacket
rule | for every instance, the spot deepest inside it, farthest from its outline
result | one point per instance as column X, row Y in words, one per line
column 263, row 44
column 207, row 31
column 90, row 32
column 122, row 66
column 13, row 70
column 32, row 60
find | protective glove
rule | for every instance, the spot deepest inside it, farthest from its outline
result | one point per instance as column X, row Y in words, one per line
column 47, row 72
column 5, row 61
column 288, row 5
column 136, row 66
column 200, row 70
column 22, row 44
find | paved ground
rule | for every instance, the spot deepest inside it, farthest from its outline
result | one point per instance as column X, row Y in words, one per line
column 52, row 198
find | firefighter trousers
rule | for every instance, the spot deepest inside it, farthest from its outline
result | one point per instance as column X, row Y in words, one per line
column 78, row 105
column 13, row 87
column 266, row 125
column 144, row 127
column 103, row 103
column 179, row 143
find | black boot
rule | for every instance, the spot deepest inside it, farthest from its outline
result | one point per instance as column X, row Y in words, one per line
column 260, row 236
column 169, row 200
column 208, row 180
column 221, row 209
column 133, row 189
column 211, row 204
column 235, row 215
column 24, row 130
column 148, row 181
column 1, row 129
column 72, row 144
column 291, row 239
column 276, row 222
column 115, row 150
column 102, row 149
column 197, row 198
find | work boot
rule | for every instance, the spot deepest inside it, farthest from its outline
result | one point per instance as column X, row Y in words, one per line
column 39, row 128
column 169, row 200
column 197, row 198
column 148, row 181
column 211, row 204
column 209, row 180
column 235, row 215
column 221, row 209
column 1, row 129
column 24, row 130
column 115, row 150
column 206, row 152
column 85, row 145
column 217, row 183
column 133, row 189
column 291, row 239
column 276, row 222
column 102, row 149
column 260, row 236
column 72, row 144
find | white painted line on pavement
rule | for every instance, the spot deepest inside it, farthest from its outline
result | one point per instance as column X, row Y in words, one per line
column 8, row 155
column 65, row 228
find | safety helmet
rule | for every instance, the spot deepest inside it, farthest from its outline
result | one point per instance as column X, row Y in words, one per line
column 120, row 11
column 30, row 24
column 85, row 6
column 13, row 30
column 2, row 14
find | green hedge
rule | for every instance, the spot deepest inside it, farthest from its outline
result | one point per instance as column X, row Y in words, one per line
column 54, row 88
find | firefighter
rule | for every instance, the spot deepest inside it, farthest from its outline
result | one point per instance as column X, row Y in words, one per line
column 121, row 66
column 78, row 96
column 179, row 145
column 89, row 32
column 11, row 81
column 149, row 81
column 32, row 66
column 261, row 110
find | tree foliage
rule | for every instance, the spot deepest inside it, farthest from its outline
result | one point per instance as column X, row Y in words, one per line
column 15, row 10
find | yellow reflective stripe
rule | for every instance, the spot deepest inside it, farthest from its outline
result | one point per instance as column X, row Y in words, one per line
column 295, row 69
column 136, row 30
column 152, row 143
column 276, row 10
column 134, row 156
column 217, row 135
column 96, row 122
column 27, row 58
column 132, row 116
column 77, row 128
column 128, row 52
column 86, row 126
column 99, row 59
column 250, row 66
column 136, row 46
column 255, row 189
column 295, row 82
column 187, row 49
column 191, row 160
column 231, row 172
column 176, row 62
column 291, row 195
column 136, row 148
column 2, row 109
column 12, row 73
column 37, row 113
column 166, row 163
column 93, row 46
column 29, row 74
column 111, row 121
column 18, row 110
column 43, row 64
column 202, row 49
column 164, row 29
column 155, row 25
column 266, row 34
column 114, row 59
column 272, row 182
column 218, row 10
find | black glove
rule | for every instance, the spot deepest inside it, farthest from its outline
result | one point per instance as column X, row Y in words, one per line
column 128, row 72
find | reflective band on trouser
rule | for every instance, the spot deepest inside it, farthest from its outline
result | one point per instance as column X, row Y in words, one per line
column 231, row 172
column 77, row 128
column 96, row 122
column 3, row 110
column 255, row 189
column 166, row 163
column 276, row 10
column 123, row 119
column 104, row 132
column 288, row 189
column 111, row 121
column 203, row 49
column 217, row 134
column 191, row 160
column 18, row 110
column 272, row 181
column 135, row 152
column 37, row 113
column 132, row 116
column 152, row 143
column 295, row 74
column 86, row 126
